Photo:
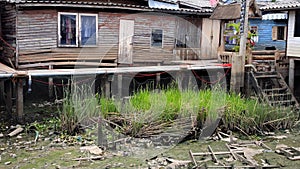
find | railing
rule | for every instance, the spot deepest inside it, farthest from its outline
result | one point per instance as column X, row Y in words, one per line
column 187, row 53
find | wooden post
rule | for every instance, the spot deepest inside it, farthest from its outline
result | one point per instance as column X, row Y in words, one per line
column 2, row 93
column 50, row 87
column 19, row 101
column 120, row 79
column 107, row 87
column 292, row 75
column 236, row 73
column 101, row 136
column 158, row 78
column 8, row 97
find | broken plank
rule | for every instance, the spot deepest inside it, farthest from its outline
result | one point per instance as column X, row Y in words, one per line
column 192, row 157
column 213, row 155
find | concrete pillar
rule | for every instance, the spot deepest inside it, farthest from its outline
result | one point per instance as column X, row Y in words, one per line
column 292, row 74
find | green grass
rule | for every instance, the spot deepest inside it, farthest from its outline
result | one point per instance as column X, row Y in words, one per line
column 165, row 106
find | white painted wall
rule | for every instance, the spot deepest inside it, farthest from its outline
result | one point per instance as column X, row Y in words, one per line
column 293, row 43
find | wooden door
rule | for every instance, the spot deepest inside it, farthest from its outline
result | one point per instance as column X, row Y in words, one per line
column 210, row 38
column 126, row 33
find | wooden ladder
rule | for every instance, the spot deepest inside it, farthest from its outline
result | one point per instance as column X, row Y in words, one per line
column 271, row 87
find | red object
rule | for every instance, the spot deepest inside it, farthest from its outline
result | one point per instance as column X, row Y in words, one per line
column 213, row 3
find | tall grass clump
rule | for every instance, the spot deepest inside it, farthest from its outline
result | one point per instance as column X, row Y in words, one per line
column 253, row 116
column 79, row 103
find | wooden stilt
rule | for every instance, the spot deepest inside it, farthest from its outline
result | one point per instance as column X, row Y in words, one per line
column 51, row 86
column 158, row 78
column 8, row 97
column 120, row 80
column 2, row 101
column 237, row 72
column 292, row 74
column 19, row 101
column 107, row 87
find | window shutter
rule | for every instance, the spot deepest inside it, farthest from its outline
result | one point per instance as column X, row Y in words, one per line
column 285, row 33
column 274, row 33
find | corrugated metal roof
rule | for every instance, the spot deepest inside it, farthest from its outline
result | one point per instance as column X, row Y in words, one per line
column 232, row 11
column 97, row 4
column 281, row 5
column 196, row 3
column 278, row 5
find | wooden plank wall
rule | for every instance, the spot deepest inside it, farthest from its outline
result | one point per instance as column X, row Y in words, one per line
column 142, row 50
column 37, row 38
column 37, row 29
column 210, row 38
column 188, row 30
column 8, row 31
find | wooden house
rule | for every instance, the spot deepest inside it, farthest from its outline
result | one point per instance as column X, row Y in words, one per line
column 44, row 34
column 293, row 40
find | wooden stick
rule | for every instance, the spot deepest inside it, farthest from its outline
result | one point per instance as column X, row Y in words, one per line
column 213, row 155
column 216, row 153
column 231, row 152
column 192, row 157
column 89, row 158
column 15, row 132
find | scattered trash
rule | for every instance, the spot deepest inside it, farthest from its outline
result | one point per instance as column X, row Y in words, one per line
column 1, row 135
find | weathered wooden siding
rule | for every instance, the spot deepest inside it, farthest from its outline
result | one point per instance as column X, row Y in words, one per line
column 37, row 29
column 265, row 34
column 142, row 50
column 210, row 38
column 292, row 42
column 8, row 22
column 188, row 31
column 37, row 38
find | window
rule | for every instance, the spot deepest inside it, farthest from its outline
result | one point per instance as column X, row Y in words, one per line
column 77, row 29
column 230, row 33
column 279, row 33
column 297, row 24
column 254, row 33
column 156, row 38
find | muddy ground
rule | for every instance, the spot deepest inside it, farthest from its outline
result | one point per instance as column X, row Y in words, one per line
column 50, row 149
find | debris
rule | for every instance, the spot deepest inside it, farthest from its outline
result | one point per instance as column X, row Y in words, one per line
column 7, row 163
column 277, row 137
column 291, row 153
column 1, row 135
column 16, row 132
column 89, row 158
column 92, row 149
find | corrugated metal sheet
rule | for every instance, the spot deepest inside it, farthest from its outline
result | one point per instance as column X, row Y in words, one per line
column 158, row 4
column 98, row 4
column 232, row 11
column 287, row 5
